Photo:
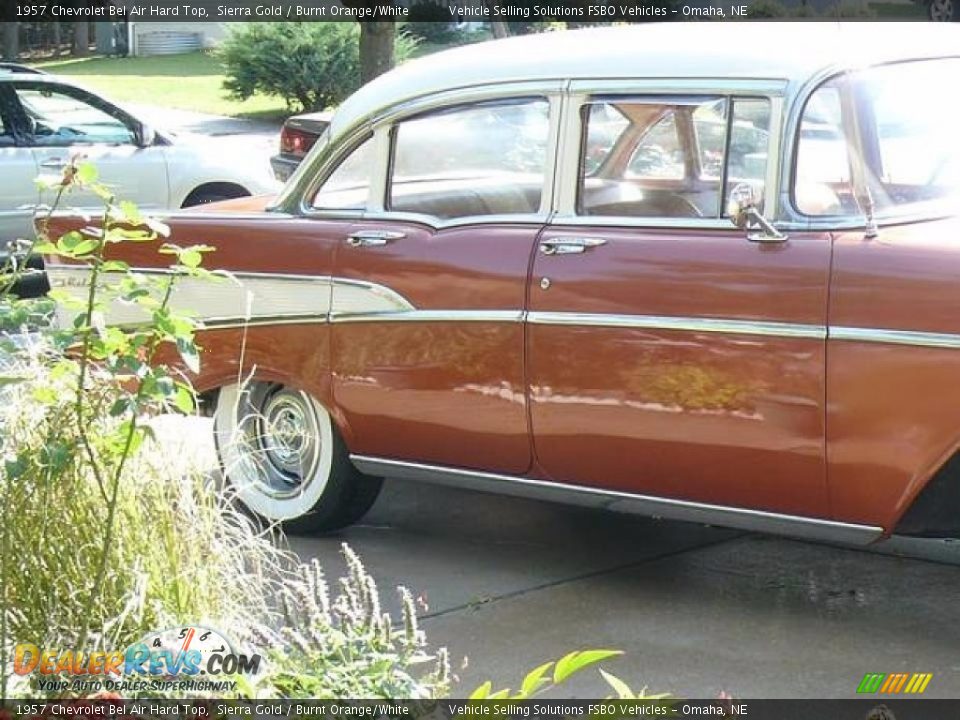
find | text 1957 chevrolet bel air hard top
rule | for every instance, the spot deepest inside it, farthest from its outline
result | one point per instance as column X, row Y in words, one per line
column 704, row 272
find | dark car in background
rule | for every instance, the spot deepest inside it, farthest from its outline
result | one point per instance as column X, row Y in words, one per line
column 299, row 134
column 941, row 10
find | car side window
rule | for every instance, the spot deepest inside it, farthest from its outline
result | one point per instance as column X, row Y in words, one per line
column 670, row 159
column 821, row 184
column 348, row 186
column 58, row 118
column 483, row 159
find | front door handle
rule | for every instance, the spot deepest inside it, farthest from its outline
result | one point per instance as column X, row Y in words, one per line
column 373, row 238
column 569, row 245
column 53, row 163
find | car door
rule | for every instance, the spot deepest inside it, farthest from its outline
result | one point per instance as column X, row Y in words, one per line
column 18, row 191
column 428, row 303
column 667, row 354
column 66, row 122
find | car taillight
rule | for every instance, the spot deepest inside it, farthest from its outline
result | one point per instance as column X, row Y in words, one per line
column 296, row 142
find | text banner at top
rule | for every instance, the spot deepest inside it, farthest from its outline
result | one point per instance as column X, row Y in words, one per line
column 200, row 11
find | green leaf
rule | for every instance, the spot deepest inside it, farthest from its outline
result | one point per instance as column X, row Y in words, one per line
column 622, row 690
column 500, row 695
column 188, row 352
column 535, row 680
column 578, row 660
column 183, row 399
column 191, row 258
column 86, row 173
column 121, row 407
column 114, row 266
column 482, row 692
column 86, row 246
column 68, row 241
column 130, row 211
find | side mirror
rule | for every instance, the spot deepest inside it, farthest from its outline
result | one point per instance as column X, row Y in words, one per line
column 743, row 210
column 145, row 135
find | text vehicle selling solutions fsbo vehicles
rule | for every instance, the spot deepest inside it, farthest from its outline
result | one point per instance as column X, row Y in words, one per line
column 703, row 272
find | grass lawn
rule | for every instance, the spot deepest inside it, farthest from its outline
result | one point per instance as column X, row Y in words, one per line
column 186, row 82
column 900, row 11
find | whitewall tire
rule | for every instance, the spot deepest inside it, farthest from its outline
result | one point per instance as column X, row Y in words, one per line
column 285, row 460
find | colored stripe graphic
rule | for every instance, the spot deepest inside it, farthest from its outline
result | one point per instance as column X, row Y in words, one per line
column 871, row 682
column 894, row 683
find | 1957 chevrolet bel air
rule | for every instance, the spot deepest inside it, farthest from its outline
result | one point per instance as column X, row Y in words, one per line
column 707, row 272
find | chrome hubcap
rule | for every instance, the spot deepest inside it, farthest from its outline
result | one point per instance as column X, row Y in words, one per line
column 941, row 10
column 282, row 438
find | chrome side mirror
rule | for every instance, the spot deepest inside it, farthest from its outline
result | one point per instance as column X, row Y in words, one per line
column 743, row 211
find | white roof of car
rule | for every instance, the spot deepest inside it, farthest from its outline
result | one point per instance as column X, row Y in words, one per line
column 776, row 51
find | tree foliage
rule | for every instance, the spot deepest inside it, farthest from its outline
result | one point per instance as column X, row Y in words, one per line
column 311, row 66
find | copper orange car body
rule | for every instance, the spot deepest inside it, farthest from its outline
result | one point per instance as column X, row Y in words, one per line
column 668, row 366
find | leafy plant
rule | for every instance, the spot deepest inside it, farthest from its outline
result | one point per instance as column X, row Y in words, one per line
column 347, row 646
column 311, row 65
column 106, row 535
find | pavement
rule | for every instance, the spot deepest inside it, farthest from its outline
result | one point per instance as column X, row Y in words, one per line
column 510, row 583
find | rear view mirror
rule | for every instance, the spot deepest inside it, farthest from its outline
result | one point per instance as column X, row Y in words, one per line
column 743, row 209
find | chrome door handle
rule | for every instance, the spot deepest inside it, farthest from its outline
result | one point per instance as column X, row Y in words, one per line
column 373, row 238
column 569, row 245
column 53, row 163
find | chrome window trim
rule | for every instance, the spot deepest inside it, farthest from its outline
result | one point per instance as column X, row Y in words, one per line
column 664, row 86
column 620, row 501
column 329, row 160
column 583, row 92
column 554, row 114
column 293, row 197
column 688, row 324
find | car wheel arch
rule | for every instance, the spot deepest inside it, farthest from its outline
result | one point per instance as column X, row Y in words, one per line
column 212, row 191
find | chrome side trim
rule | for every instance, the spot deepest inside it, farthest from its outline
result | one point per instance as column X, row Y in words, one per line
column 509, row 316
column 895, row 337
column 618, row 501
column 659, row 322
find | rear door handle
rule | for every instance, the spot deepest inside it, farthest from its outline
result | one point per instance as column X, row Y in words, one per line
column 373, row 238
column 569, row 245
column 53, row 163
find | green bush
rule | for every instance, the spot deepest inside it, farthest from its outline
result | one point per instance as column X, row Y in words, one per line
column 311, row 65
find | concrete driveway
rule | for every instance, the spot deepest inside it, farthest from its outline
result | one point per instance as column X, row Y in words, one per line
column 511, row 583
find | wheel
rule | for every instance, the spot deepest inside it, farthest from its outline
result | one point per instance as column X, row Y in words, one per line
column 941, row 10
column 286, row 461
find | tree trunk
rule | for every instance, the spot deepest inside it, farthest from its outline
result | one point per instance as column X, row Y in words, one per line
column 499, row 27
column 81, row 36
column 11, row 40
column 55, row 28
column 376, row 48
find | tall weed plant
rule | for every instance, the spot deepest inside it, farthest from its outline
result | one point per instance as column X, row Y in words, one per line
column 105, row 535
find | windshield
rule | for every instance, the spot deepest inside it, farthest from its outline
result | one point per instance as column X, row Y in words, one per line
column 908, row 118
column 916, row 126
